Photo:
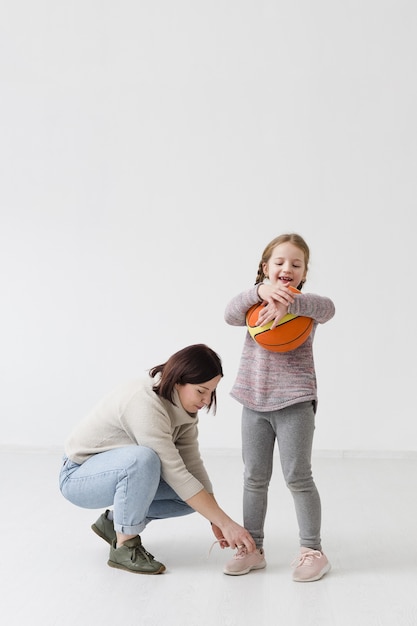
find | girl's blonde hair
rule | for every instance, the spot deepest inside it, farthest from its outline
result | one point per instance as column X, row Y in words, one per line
column 293, row 238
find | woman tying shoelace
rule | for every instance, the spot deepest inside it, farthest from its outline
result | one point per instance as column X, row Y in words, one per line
column 137, row 451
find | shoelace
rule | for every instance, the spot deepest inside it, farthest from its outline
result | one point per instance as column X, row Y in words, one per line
column 306, row 558
column 241, row 552
column 139, row 551
column 213, row 544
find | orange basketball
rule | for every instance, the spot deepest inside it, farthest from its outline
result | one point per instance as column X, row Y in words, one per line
column 291, row 332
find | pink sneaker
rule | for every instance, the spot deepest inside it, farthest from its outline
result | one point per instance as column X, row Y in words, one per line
column 243, row 562
column 310, row 565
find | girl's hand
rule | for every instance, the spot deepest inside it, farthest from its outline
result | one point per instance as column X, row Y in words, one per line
column 272, row 312
column 278, row 298
column 278, row 293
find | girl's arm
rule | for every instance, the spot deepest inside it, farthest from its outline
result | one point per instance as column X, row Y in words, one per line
column 320, row 308
column 279, row 302
column 235, row 313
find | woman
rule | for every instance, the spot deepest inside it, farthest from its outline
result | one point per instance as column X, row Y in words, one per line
column 138, row 452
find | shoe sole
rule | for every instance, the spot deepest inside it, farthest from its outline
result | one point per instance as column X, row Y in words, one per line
column 98, row 532
column 314, row 578
column 245, row 571
column 134, row 571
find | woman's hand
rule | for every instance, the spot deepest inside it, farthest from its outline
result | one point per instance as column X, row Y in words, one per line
column 236, row 536
column 219, row 536
column 225, row 529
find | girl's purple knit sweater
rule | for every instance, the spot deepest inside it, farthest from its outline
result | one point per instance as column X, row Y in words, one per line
column 267, row 381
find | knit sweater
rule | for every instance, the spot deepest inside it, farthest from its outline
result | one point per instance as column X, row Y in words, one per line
column 135, row 414
column 267, row 381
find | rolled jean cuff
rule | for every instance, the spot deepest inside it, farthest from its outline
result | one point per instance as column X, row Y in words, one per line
column 129, row 530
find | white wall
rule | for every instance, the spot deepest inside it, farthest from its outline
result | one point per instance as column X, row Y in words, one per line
column 150, row 150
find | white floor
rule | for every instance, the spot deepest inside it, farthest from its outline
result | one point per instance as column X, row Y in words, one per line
column 54, row 571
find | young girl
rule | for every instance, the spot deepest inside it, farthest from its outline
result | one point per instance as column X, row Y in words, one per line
column 138, row 451
column 278, row 392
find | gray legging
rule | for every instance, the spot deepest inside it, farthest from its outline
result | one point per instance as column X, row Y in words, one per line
column 293, row 428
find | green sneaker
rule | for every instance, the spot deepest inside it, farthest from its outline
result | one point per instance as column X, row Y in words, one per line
column 133, row 557
column 104, row 528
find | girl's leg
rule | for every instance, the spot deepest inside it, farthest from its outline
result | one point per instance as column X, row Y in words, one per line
column 258, row 440
column 127, row 478
column 295, row 429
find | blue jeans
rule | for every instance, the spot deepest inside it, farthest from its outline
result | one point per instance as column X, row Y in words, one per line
column 127, row 478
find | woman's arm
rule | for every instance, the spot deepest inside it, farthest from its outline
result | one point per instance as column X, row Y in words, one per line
column 234, row 534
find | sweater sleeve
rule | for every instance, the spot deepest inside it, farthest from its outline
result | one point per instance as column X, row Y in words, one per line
column 154, row 430
column 319, row 308
column 187, row 444
column 235, row 313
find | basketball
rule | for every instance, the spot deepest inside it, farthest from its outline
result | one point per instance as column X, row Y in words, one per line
column 291, row 332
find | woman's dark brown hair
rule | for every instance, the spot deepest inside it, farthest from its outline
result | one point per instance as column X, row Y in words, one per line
column 194, row 364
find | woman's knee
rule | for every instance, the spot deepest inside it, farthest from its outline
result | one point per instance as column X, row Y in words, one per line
column 142, row 456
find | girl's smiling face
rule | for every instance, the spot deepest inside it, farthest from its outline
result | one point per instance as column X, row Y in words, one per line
column 286, row 265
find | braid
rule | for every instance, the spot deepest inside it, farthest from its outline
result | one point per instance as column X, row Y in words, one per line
column 260, row 275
